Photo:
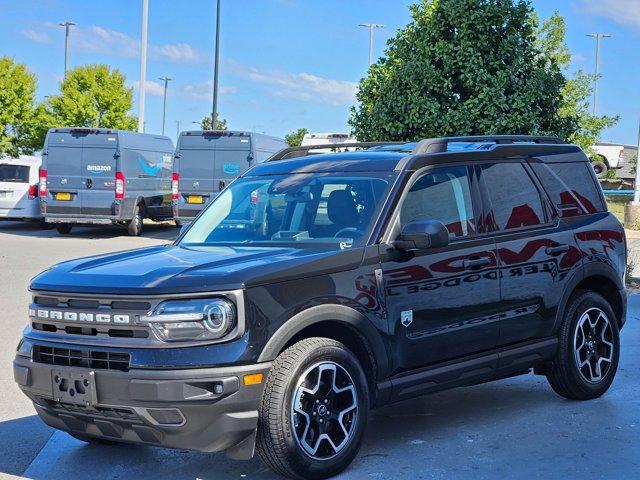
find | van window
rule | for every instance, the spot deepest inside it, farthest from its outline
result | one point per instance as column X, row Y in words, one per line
column 441, row 194
column 515, row 200
column 571, row 187
column 14, row 173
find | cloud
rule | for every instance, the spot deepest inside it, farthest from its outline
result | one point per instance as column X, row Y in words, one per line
column 300, row 86
column 621, row 11
column 151, row 88
column 105, row 41
column 204, row 90
column 36, row 36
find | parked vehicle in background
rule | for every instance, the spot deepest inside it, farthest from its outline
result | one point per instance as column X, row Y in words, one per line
column 206, row 161
column 607, row 156
column 19, row 188
column 99, row 176
column 326, row 139
column 371, row 277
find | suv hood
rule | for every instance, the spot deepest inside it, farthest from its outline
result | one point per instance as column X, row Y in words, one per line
column 170, row 269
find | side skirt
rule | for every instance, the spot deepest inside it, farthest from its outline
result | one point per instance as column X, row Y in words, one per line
column 494, row 365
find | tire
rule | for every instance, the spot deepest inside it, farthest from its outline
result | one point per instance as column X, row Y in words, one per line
column 134, row 226
column 587, row 312
column 178, row 223
column 600, row 168
column 282, row 432
column 63, row 228
column 92, row 440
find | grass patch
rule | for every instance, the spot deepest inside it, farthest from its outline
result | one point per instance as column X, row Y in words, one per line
column 616, row 205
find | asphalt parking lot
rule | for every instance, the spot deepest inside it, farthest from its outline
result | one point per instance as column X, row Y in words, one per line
column 515, row 428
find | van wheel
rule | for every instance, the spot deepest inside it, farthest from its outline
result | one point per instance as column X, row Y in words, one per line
column 589, row 349
column 314, row 410
column 178, row 223
column 63, row 228
column 134, row 227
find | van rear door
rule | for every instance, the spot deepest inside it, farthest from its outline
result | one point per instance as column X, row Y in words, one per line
column 63, row 162
column 99, row 172
column 196, row 166
column 14, row 186
column 232, row 158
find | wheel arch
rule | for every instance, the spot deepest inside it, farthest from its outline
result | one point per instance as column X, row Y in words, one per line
column 337, row 322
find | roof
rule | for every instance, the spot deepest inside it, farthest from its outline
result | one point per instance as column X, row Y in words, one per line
column 21, row 160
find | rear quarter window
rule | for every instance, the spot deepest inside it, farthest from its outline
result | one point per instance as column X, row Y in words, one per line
column 571, row 187
column 14, row 173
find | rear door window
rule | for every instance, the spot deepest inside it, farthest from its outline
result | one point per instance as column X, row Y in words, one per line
column 14, row 173
column 571, row 187
column 515, row 199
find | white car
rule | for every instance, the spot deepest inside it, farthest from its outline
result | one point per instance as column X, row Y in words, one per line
column 19, row 188
column 326, row 139
column 606, row 156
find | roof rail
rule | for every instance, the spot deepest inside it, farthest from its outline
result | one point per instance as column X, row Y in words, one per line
column 439, row 145
column 303, row 151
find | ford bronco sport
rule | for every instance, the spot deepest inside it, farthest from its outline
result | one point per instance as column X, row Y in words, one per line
column 315, row 288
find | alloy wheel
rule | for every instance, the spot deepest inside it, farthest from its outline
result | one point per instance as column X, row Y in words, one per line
column 593, row 345
column 324, row 410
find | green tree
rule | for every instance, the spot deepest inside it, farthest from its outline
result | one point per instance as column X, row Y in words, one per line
column 462, row 67
column 582, row 127
column 23, row 123
column 94, row 96
column 221, row 124
column 294, row 139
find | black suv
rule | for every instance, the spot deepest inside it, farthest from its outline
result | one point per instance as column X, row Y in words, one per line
column 317, row 287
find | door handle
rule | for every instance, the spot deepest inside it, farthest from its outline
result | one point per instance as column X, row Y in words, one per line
column 557, row 250
column 89, row 182
column 475, row 263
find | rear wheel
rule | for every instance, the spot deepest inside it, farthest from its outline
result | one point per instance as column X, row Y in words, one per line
column 589, row 349
column 314, row 410
column 63, row 228
column 134, row 227
column 600, row 167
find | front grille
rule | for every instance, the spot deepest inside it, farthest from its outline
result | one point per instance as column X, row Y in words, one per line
column 99, row 360
column 91, row 331
column 122, row 413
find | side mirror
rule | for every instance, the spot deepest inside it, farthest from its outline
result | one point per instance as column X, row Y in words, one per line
column 422, row 234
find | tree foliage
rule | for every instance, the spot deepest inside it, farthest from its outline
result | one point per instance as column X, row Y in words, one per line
column 23, row 123
column 294, row 139
column 93, row 96
column 464, row 67
column 221, row 124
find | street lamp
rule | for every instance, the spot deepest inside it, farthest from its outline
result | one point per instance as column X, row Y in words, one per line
column 177, row 128
column 371, row 27
column 66, row 26
column 199, row 124
column 143, row 64
column 214, row 109
column 166, row 81
column 596, row 80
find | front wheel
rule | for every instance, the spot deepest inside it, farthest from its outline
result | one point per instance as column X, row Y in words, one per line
column 63, row 228
column 589, row 349
column 134, row 227
column 314, row 410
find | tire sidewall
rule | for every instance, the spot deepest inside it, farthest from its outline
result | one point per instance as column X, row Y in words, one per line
column 581, row 304
column 303, row 463
column 135, row 225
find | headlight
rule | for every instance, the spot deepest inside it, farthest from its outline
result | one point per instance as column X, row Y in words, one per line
column 192, row 320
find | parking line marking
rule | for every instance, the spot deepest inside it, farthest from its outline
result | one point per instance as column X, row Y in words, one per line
column 46, row 461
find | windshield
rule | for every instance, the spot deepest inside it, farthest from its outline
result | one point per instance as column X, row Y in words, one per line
column 306, row 209
column 14, row 173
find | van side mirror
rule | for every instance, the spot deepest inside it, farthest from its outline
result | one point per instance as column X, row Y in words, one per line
column 422, row 234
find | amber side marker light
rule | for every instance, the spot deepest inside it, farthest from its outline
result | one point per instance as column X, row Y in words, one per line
column 253, row 379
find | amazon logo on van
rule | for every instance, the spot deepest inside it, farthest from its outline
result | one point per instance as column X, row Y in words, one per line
column 98, row 169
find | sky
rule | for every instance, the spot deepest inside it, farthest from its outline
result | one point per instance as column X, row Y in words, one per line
column 284, row 64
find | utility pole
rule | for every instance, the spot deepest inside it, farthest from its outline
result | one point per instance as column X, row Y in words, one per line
column 66, row 26
column 166, row 81
column 371, row 27
column 143, row 64
column 177, row 128
column 596, row 80
column 216, row 68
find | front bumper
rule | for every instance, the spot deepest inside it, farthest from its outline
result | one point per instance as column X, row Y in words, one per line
column 128, row 405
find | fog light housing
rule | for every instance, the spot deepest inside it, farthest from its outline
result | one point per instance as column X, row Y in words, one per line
column 166, row 416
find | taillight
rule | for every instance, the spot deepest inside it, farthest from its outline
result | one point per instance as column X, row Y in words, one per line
column 254, row 197
column 119, row 185
column 175, row 191
column 33, row 191
column 43, row 183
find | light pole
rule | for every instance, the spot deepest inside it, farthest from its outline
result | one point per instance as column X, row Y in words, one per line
column 371, row 27
column 66, row 26
column 596, row 80
column 143, row 64
column 177, row 128
column 166, row 81
column 199, row 124
column 214, row 110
